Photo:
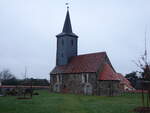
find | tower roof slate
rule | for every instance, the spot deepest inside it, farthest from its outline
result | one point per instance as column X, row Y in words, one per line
column 67, row 28
column 67, row 25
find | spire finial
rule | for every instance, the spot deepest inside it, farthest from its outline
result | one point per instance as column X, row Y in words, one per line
column 67, row 4
column 67, row 28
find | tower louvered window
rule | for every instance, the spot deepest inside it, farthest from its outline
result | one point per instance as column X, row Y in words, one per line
column 71, row 42
column 62, row 42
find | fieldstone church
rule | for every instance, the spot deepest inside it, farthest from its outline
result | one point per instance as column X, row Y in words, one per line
column 91, row 74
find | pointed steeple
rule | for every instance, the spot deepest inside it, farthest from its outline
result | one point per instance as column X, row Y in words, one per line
column 67, row 28
column 67, row 25
column 67, row 43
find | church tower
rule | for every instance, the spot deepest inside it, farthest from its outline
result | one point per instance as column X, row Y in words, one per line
column 67, row 43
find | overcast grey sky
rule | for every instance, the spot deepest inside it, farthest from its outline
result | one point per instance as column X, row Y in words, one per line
column 28, row 29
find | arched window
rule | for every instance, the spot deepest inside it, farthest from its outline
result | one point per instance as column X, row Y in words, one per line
column 84, row 78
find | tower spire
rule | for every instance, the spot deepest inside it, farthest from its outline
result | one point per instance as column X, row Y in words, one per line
column 67, row 25
column 67, row 28
column 67, row 42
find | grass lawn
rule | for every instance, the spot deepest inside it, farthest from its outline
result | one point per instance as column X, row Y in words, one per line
column 67, row 103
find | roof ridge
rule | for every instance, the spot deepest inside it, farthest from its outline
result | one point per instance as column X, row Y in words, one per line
column 92, row 53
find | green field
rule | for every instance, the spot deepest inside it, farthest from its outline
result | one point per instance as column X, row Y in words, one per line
column 67, row 103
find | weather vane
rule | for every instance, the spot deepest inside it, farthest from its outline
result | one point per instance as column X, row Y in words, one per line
column 67, row 4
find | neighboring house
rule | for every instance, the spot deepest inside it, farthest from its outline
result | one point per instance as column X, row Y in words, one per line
column 125, row 84
column 90, row 74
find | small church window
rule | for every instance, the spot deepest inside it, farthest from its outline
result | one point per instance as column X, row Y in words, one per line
column 84, row 78
column 60, row 78
column 62, row 42
column 72, row 42
column 57, row 78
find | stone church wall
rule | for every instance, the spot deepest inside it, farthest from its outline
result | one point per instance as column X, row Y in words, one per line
column 108, row 88
column 71, row 83
column 74, row 83
column 84, row 83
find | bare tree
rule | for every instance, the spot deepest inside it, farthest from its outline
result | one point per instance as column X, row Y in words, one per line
column 144, row 67
column 6, row 75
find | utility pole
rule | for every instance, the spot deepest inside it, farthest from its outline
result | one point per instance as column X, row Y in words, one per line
column 25, row 73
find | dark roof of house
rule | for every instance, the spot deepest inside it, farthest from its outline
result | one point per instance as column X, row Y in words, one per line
column 82, row 64
column 107, row 73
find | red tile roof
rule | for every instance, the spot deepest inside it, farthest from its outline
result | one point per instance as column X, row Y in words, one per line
column 81, row 64
column 124, row 80
column 107, row 73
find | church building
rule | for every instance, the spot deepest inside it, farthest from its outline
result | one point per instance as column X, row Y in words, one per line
column 89, row 74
